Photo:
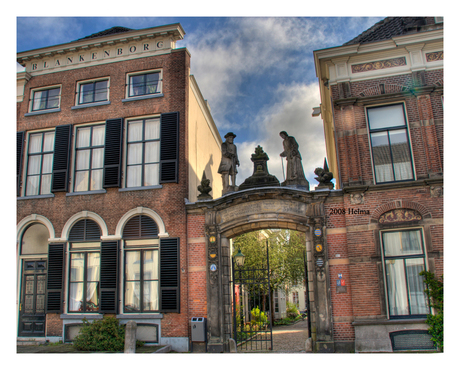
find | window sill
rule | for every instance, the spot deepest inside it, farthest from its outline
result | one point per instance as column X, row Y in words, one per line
column 81, row 106
column 140, row 315
column 79, row 315
column 36, row 196
column 142, row 97
column 142, row 188
column 102, row 191
column 42, row 112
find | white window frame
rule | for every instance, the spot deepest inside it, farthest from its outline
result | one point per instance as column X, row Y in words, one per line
column 44, row 110
column 409, row 140
column 26, row 164
column 158, row 93
column 74, row 158
column 126, row 153
column 425, row 260
column 78, row 95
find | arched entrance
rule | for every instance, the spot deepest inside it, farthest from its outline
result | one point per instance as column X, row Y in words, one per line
column 257, row 209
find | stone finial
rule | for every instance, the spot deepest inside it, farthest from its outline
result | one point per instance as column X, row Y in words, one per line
column 204, row 188
column 324, row 177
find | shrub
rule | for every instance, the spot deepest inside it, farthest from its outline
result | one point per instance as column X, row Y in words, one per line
column 291, row 310
column 258, row 316
column 435, row 293
column 105, row 335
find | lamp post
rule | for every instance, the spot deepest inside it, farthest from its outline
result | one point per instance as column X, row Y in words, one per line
column 239, row 258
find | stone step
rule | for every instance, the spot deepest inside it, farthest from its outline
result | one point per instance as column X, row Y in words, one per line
column 30, row 342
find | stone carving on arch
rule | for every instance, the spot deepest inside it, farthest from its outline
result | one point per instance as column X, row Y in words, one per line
column 399, row 211
column 34, row 218
column 84, row 214
column 384, row 88
column 137, row 211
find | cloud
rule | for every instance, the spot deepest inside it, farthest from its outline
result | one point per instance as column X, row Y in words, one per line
column 292, row 113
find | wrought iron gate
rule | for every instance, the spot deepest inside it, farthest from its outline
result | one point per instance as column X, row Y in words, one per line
column 252, row 328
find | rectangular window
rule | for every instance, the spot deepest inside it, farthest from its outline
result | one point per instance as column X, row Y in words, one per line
column 89, row 158
column 93, row 92
column 141, row 281
column 144, row 84
column 143, row 152
column 40, row 163
column 390, row 143
column 84, row 282
column 46, row 99
column 404, row 259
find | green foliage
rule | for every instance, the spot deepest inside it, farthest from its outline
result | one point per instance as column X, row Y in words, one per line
column 435, row 293
column 258, row 316
column 105, row 335
column 291, row 310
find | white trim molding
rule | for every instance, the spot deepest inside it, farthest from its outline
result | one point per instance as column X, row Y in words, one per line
column 137, row 211
column 80, row 215
column 34, row 218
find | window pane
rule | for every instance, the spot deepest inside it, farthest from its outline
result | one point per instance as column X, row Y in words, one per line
column 396, row 283
column 77, row 261
column 98, row 135
column 33, row 167
column 150, row 265
column 47, row 166
column 132, row 297
column 132, row 265
column 388, row 116
column 134, row 131
column 401, row 155
column 134, row 153
column 93, row 265
column 39, row 100
column 134, row 176
column 83, row 135
column 81, row 181
column 417, row 299
column 101, row 91
column 76, row 297
column 152, row 129
column 150, row 296
column 96, row 180
column 82, row 162
column 151, row 175
column 46, row 184
column 92, row 297
column 382, row 157
column 402, row 243
column 32, row 185
column 152, row 83
column 137, row 85
column 35, row 143
column 152, row 152
column 86, row 93
column 98, row 159
column 53, row 98
column 48, row 144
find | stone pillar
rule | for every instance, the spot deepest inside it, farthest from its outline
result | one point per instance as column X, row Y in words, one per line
column 130, row 337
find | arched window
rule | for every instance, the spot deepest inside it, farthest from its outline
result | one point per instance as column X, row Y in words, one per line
column 140, row 227
column 85, row 230
column 35, row 240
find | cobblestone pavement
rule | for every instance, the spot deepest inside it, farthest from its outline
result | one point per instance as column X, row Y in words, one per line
column 286, row 339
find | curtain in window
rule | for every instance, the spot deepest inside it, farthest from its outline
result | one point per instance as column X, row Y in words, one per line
column 416, row 286
column 396, row 282
column 401, row 155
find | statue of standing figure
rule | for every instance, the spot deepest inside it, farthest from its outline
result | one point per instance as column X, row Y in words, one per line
column 294, row 171
column 228, row 163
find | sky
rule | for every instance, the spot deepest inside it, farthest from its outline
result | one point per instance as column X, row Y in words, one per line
column 257, row 73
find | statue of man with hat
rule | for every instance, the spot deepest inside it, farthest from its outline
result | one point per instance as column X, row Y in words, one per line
column 228, row 163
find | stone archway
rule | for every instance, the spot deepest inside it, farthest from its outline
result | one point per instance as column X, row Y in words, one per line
column 256, row 209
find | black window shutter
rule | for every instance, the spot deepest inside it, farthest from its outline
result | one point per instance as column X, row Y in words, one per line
column 140, row 227
column 113, row 153
column 54, row 286
column 108, row 287
column 169, row 275
column 61, row 160
column 169, row 147
column 19, row 150
column 85, row 230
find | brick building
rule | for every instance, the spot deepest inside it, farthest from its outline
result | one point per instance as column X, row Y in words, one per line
column 382, row 110
column 112, row 135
